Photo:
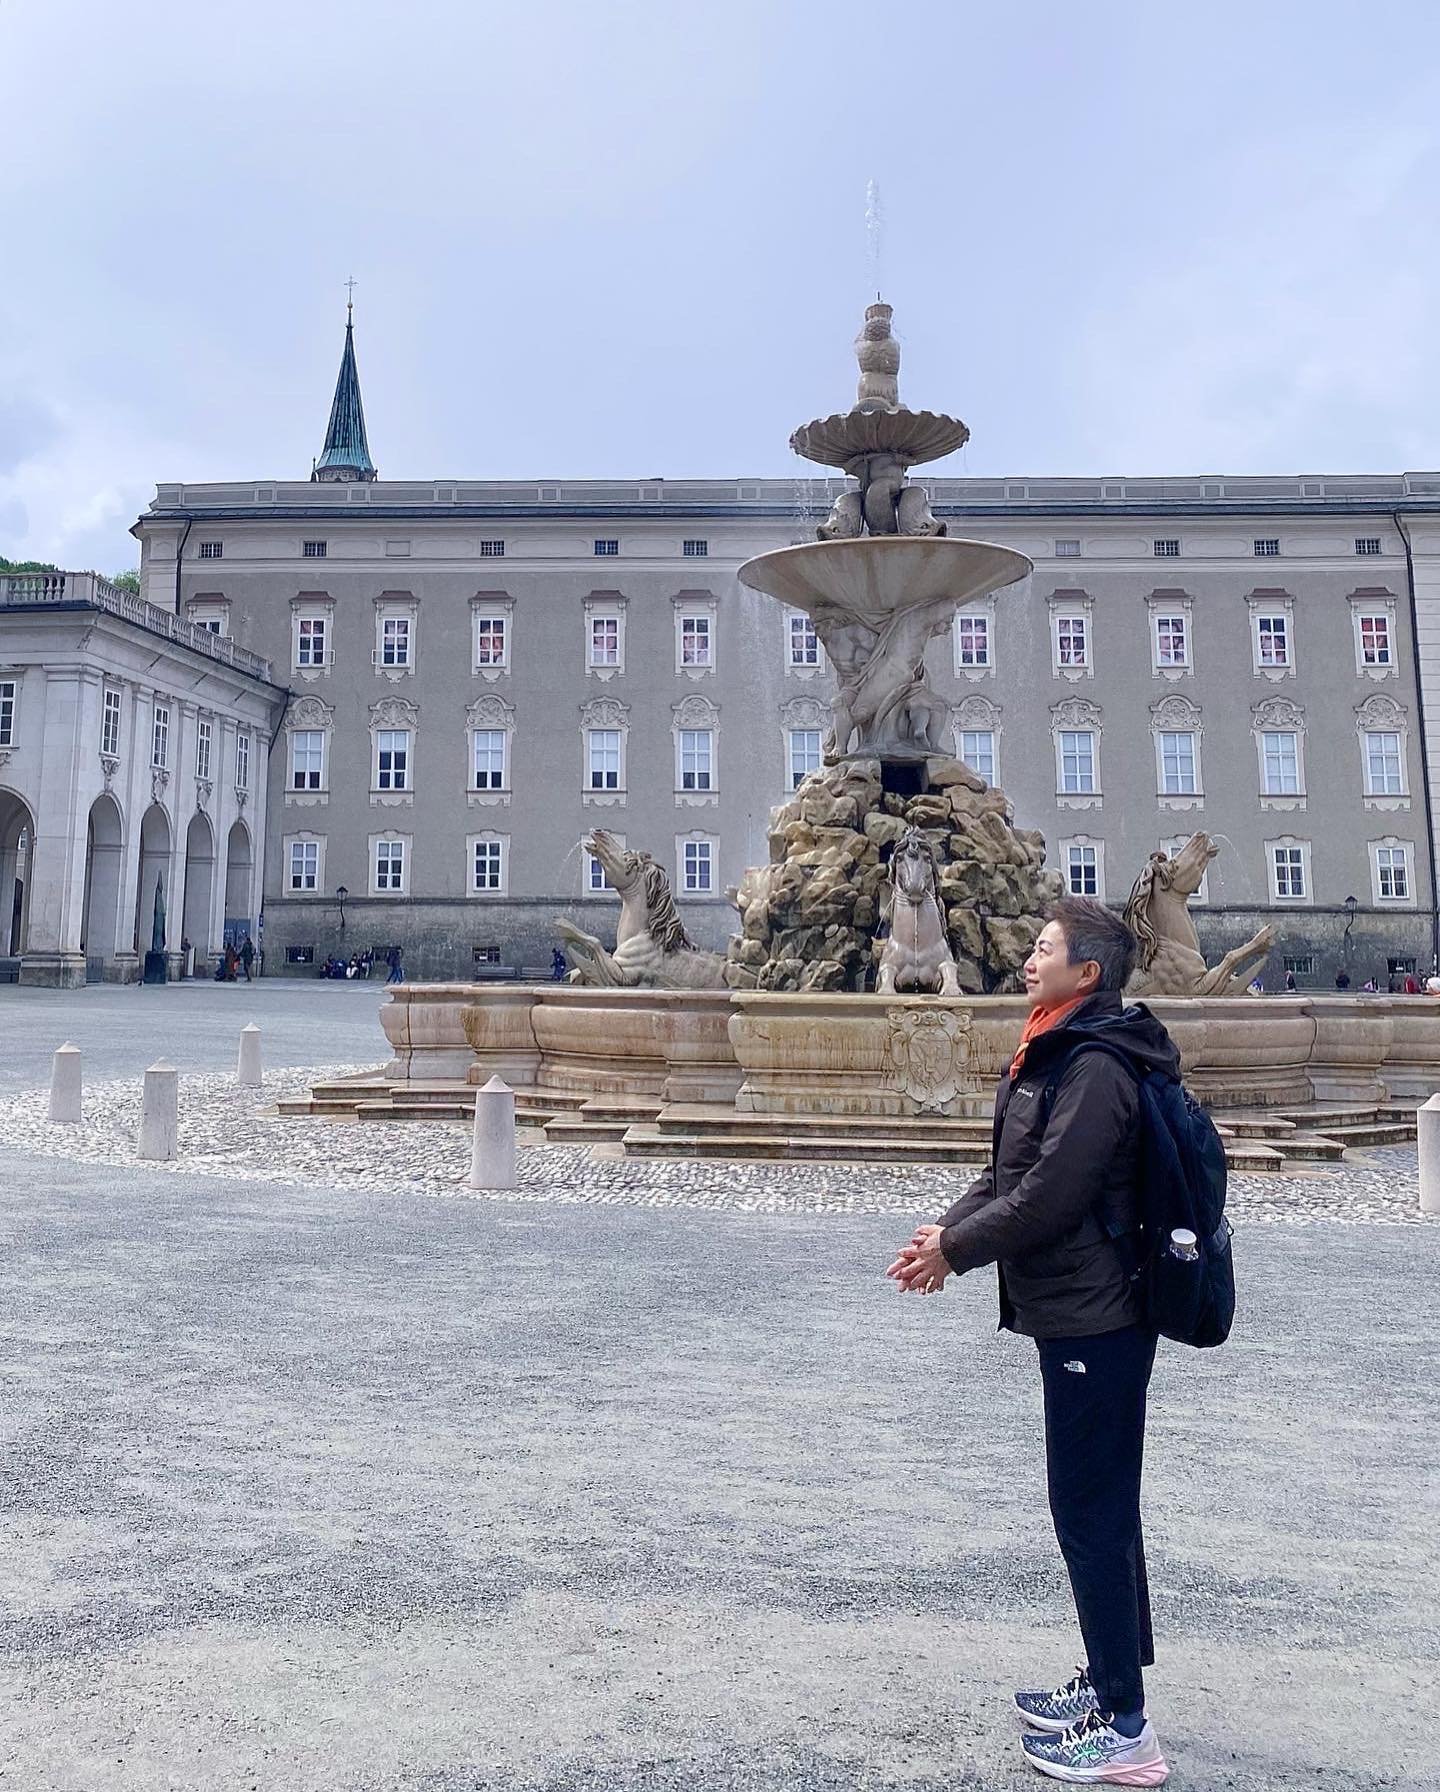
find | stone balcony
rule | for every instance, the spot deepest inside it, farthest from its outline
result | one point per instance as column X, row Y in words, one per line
column 88, row 590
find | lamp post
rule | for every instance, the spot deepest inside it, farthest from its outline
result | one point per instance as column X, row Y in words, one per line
column 340, row 894
column 983, row 912
column 1351, row 904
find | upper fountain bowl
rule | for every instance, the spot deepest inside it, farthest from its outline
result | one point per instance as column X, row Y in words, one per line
column 850, row 437
column 876, row 575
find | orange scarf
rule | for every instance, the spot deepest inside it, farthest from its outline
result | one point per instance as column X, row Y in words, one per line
column 1041, row 1021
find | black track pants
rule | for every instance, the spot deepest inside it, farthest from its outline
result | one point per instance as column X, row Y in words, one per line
column 1094, row 1443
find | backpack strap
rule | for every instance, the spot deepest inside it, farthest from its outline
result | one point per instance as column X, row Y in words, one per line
column 1120, row 1235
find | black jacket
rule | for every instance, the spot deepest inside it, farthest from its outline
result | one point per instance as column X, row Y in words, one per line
column 1041, row 1209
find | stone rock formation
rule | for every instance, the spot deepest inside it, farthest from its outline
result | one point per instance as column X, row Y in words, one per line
column 809, row 917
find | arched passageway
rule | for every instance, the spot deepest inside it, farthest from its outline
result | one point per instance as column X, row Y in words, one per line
column 239, row 865
column 17, row 845
column 154, row 870
column 199, row 885
column 104, row 863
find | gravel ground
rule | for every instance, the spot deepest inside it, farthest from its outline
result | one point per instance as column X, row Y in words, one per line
column 322, row 1483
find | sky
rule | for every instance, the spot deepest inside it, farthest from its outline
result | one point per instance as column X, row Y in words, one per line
column 602, row 240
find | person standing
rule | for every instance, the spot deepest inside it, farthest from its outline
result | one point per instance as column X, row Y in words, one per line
column 247, row 958
column 1053, row 1210
column 397, row 970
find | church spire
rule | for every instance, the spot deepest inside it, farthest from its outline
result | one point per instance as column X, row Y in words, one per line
column 346, row 454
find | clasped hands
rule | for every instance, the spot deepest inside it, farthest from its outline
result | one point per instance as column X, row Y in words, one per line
column 920, row 1268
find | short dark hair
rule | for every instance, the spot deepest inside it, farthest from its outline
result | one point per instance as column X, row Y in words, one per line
column 1094, row 933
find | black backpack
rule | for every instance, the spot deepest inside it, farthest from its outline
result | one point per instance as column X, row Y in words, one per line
column 1181, row 1184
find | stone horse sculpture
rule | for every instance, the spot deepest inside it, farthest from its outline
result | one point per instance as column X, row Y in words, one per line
column 652, row 948
column 1170, row 961
column 917, row 953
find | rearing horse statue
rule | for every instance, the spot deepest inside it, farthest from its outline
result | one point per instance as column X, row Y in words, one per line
column 652, row 948
column 917, row 954
column 1171, row 962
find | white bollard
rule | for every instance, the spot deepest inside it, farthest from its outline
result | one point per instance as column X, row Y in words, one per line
column 65, row 1084
column 492, row 1150
column 1427, row 1123
column 247, row 1071
column 160, row 1112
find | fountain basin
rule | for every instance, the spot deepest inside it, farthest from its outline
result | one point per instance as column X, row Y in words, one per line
column 874, row 576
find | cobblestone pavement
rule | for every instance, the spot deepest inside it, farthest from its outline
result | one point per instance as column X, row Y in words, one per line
column 318, row 1483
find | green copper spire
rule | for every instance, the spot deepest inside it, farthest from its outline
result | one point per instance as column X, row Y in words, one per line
column 346, row 454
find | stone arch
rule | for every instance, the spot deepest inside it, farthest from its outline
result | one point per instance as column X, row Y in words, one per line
column 239, row 882
column 104, row 869
column 17, row 855
column 155, row 849
column 199, row 884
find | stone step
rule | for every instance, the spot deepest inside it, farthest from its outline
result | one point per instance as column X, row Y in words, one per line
column 651, row 1142
column 1238, row 1126
column 1375, row 1133
column 564, row 1130
column 718, row 1122
column 1250, row 1158
column 1311, row 1148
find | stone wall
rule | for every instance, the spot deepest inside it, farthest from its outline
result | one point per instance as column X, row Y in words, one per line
column 1320, row 934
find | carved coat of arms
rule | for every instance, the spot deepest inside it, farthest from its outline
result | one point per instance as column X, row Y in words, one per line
column 932, row 1056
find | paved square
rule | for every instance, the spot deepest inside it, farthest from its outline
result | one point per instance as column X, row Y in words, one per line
column 631, row 1482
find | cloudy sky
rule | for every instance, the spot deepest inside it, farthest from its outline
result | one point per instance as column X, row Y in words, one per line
column 595, row 239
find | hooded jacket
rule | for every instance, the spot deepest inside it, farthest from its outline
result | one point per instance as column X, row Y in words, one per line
column 1041, row 1210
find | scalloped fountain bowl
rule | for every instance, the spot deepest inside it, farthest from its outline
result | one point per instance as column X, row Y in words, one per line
column 875, row 575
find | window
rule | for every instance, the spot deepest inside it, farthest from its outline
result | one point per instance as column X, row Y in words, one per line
column 395, row 641
column 1077, row 760
column 212, row 621
column 204, row 735
column 695, row 641
column 1280, row 758
column 489, row 865
column 1367, row 545
column 977, row 749
column 492, row 550
column 491, row 645
column 1392, row 873
column 310, row 639
column 804, row 643
column 160, row 738
column 7, row 715
column 1273, row 640
column 1288, row 863
column 696, row 758
column 1384, row 770
column 299, row 955
column 595, row 878
column 1267, row 547
column 604, row 758
column 304, row 865
column 392, row 758
column 242, row 760
column 804, row 754
column 972, row 640
column 606, row 548
column 1067, row 550
column 1167, row 548
column 1300, row 964
column 1072, row 643
column 307, row 758
column 1082, row 870
column 695, row 550
column 696, row 867
column 489, row 758
column 212, row 550
column 314, row 550
column 604, row 640
column 109, row 721
column 1177, row 763
column 389, row 864
column 1172, row 645
column 484, row 955
column 1375, row 648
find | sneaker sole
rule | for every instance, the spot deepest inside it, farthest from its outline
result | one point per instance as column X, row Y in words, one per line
column 1147, row 1773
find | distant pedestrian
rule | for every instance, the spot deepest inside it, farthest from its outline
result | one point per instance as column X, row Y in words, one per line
column 1342, row 980
column 1412, row 984
column 1060, row 1197
column 1369, row 987
column 232, row 965
column 557, row 964
column 247, row 957
column 397, row 970
column 1290, row 983
column 1254, row 987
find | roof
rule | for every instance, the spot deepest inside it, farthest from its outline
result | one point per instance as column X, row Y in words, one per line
column 346, row 454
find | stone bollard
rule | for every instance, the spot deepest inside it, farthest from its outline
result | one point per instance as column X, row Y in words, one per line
column 160, row 1112
column 1427, row 1124
column 247, row 1071
column 492, row 1150
column 65, row 1084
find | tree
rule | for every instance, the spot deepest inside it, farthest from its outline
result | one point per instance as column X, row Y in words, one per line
column 26, row 565
column 129, row 580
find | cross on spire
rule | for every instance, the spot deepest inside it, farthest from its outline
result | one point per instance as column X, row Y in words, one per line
column 349, row 297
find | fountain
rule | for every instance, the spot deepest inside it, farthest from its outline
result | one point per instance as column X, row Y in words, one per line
column 870, row 997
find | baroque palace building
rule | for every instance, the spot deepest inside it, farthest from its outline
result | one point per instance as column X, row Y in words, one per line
column 479, row 673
